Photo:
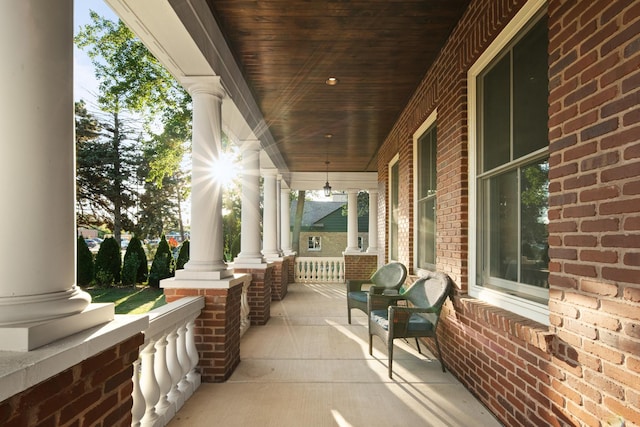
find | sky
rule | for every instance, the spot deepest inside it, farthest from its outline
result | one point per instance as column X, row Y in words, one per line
column 84, row 82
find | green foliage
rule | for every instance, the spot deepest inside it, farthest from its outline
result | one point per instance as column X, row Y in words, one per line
column 130, row 269
column 183, row 255
column 142, row 268
column 108, row 262
column 84, row 266
column 163, row 264
column 111, row 166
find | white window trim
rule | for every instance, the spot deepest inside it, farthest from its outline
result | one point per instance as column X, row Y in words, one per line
column 390, row 165
column 532, row 310
column 416, row 136
column 314, row 249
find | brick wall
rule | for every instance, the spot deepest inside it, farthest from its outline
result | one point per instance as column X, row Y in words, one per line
column 97, row 391
column 359, row 266
column 585, row 368
column 259, row 294
column 280, row 280
column 594, row 206
column 217, row 330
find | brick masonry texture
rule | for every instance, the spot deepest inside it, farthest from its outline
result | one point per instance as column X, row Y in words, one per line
column 217, row 330
column 359, row 266
column 584, row 369
column 97, row 391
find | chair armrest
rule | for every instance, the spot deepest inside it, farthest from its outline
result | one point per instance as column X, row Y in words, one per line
column 412, row 310
column 354, row 285
column 379, row 302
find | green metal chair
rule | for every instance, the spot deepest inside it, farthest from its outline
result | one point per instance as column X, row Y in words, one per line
column 387, row 279
column 417, row 318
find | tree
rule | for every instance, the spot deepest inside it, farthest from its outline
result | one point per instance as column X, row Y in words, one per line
column 183, row 255
column 131, row 81
column 84, row 266
column 135, row 262
column 162, row 266
column 108, row 263
column 297, row 222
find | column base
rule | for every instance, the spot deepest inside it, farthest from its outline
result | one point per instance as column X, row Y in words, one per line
column 185, row 274
column 352, row 251
column 28, row 336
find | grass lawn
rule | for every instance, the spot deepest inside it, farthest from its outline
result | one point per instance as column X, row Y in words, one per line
column 129, row 299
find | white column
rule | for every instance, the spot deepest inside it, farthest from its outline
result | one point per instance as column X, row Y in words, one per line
column 373, row 222
column 206, row 249
column 269, row 222
column 352, row 222
column 250, row 215
column 278, row 214
column 38, row 167
column 285, row 222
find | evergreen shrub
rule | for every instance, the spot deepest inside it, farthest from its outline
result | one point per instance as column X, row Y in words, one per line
column 163, row 264
column 142, row 269
column 84, row 266
column 108, row 262
column 183, row 255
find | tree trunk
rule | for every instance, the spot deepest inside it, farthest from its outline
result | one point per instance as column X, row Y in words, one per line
column 117, row 181
column 297, row 222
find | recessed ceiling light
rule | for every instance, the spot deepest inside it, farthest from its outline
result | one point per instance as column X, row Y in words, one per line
column 328, row 135
column 332, row 81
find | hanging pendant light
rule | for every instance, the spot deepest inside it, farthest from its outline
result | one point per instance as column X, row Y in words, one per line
column 327, row 187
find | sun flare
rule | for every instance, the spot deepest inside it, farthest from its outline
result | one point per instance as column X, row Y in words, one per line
column 225, row 169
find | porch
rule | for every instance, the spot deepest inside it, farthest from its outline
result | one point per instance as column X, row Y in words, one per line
column 307, row 366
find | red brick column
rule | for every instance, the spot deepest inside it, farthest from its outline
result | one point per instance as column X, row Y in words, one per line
column 97, row 391
column 259, row 296
column 217, row 329
column 360, row 266
column 280, row 278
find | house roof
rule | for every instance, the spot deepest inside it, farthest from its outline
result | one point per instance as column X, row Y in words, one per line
column 314, row 211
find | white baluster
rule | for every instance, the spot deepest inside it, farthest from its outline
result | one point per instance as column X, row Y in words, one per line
column 193, row 375
column 149, row 386
column 175, row 396
column 138, row 409
column 185, row 362
column 164, row 408
column 244, row 308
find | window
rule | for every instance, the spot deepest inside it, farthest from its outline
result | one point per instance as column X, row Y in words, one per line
column 509, row 166
column 314, row 243
column 425, row 154
column 394, row 188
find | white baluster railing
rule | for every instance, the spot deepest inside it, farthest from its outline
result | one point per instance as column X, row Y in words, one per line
column 319, row 269
column 245, row 321
column 165, row 375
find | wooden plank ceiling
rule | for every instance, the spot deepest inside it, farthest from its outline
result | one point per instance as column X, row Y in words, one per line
column 378, row 50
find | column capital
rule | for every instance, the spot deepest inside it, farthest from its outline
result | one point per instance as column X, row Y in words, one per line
column 211, row 85
column 270, row 172
column 373, row 191
column 353, row 190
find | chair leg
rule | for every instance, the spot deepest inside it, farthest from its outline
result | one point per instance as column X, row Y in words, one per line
column 418, row 345
column 370, row 345
column 349, row 314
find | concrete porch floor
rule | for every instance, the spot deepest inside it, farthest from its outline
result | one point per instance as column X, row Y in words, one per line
column 309, row 367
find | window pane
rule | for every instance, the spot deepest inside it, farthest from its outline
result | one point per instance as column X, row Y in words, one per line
column 533, row 224
column 427, row 232
column 427, row 163
column 503, row 226
column 530, row 91
column 393, row 244
column 496, row 117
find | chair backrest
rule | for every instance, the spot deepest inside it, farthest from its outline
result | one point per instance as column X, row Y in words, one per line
column 390, row 275
column 429, row 291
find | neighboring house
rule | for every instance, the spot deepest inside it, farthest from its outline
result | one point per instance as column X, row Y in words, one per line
column 323, row 232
